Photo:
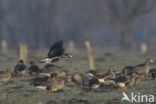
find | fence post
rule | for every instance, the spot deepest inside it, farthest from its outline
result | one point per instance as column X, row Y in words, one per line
column 71, row 46
column 23, row 52
column 143, row 47
column 4, row 46
column 90, row 55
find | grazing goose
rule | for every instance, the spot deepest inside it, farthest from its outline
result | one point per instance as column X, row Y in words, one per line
column 122, row 82
column 56, row 53
column 5, row 75
column 78, row 78
column 20, row 68
column 108, row 78
column 34, row 69
column 153, row 73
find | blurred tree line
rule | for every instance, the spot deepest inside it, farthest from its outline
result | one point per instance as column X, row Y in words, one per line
column 39, row 23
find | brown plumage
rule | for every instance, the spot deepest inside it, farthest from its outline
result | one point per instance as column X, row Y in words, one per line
column 108, row 78
column 141, row 68
column 55, row 85
column 98, row 72
column 5, row 75
column 77, row 78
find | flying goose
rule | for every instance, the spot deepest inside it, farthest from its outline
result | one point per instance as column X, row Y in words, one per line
column 56, row 53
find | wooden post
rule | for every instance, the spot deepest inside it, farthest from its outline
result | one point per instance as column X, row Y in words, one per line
column 71, row 46
column 143, row 48
column 23, row 52
column 4, row 46
column 90, row 55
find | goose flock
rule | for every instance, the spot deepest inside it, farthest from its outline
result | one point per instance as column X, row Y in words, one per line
column 53, row 78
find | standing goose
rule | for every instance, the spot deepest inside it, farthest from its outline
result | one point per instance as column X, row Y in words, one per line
column 141, row 68
column 144, row 68
column 20, row 68
column 56, row 53
column 5, row 75
column 78, row 78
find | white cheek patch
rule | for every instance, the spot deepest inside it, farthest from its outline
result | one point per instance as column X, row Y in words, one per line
column 152, row 61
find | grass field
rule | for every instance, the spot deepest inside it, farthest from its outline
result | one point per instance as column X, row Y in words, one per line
column 20, row 91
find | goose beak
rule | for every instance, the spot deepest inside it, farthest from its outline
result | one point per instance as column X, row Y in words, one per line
column 152, row 61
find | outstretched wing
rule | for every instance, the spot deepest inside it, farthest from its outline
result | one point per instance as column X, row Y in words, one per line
column 56, row 49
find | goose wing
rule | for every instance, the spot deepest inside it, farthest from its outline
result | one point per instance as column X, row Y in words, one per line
column 56, row 49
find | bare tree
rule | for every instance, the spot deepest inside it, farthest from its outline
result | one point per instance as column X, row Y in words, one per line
column 125, row 13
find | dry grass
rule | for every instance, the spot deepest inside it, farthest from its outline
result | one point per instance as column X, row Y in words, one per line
column 19, row 90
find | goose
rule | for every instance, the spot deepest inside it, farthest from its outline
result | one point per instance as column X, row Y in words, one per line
column 56, row 53
column 20, row 68
column 5, row 75
column 108, row 78
column 34, row 69
column 44, row 81
column 122, row 82
column 55, row 85
column 78, row 78
column 93, row 84
column 141, row 68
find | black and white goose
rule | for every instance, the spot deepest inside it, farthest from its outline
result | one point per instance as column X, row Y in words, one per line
column 56, row 53
column 20, row 68
column 33, row 69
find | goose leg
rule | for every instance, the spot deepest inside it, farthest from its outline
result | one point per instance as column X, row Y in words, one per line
column 125, row 89
column 38, row 90
column 119, row 89
column 106, row 83
column 50, row 93
column 91, row 90
column 81, row 85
